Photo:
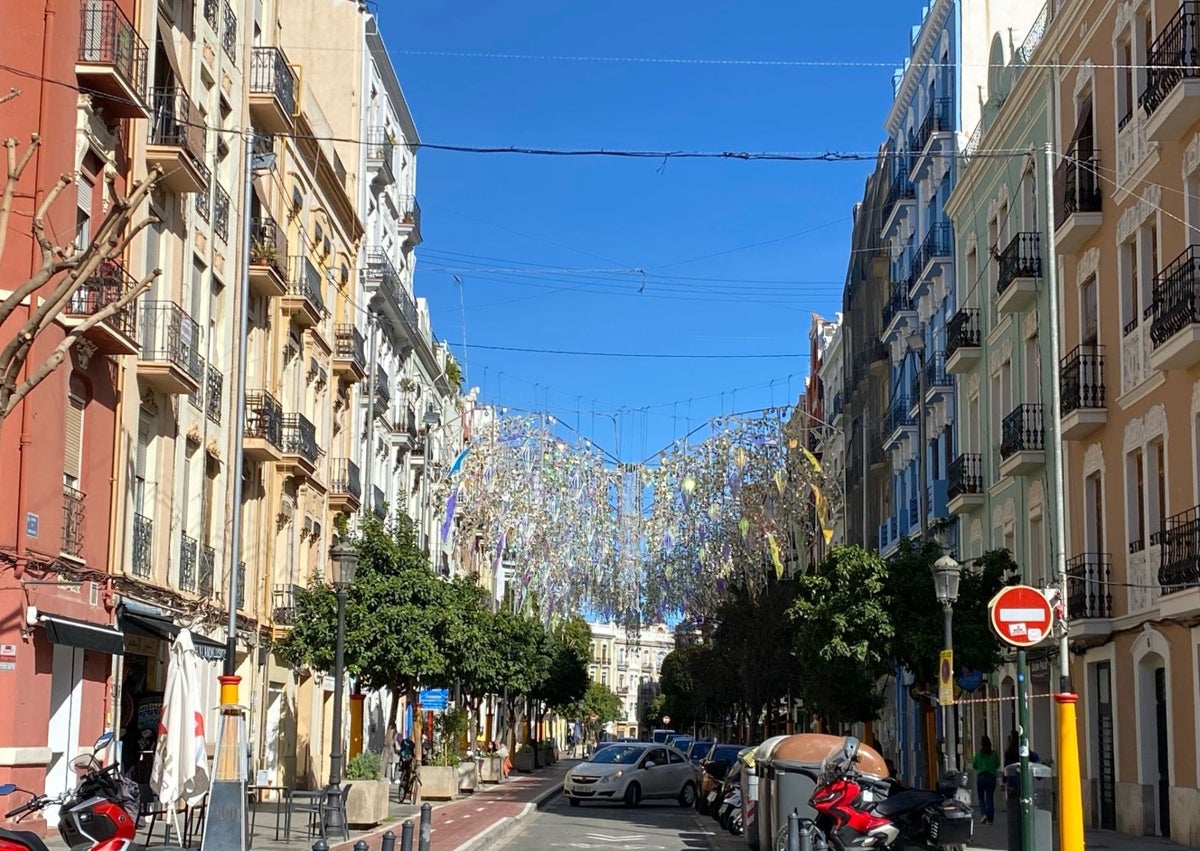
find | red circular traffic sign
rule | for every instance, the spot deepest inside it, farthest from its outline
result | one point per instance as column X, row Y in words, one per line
column 666, row 719
column 1021, row 615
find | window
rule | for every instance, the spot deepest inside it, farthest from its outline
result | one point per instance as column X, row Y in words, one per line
column 1135, row 485
column 141, row 459
column 1094, row 506
column 1089, row 313
column 1037, row 549
column 1033, row 370
column 1125, row 92
column 1130, row 312
column 83, row 211
column 73, row 451
column 1157, row 459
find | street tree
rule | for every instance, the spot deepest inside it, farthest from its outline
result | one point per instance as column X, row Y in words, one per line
column 843, row 634
column 600, row 703
column 523, row 664
column 567, row 679
column 63, row 268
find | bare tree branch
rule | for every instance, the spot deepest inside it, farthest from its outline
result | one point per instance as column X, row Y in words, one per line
column 14, row 92
column 14, row 171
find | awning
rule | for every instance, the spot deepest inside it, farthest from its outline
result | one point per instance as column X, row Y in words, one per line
column 166, row 630
column 88, row 636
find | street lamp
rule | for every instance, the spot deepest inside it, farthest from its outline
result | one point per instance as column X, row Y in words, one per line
column 343, row 558
column 946, row 573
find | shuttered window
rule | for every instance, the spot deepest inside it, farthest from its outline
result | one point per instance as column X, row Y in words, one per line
column 73, row 451
column 83, row 211
column 139, row 467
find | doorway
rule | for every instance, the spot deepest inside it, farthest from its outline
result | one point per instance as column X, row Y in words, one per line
column 1105, row 748
column 1161, row 751
column 66, row 695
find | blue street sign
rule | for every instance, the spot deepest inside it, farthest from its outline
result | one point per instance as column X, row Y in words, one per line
column 969, row 680
column 435, row 699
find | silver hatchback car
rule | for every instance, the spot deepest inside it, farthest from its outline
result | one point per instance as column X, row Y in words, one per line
column 630, row 773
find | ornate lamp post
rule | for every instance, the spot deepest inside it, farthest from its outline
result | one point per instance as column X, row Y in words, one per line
column 946, row 572
column 343, row 559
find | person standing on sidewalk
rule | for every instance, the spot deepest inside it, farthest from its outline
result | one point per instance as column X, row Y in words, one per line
column 986, row 763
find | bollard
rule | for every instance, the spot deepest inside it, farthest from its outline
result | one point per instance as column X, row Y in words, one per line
column 793, row 834
column 426, row 825
column 818, row 842
column 361, row 845
column 320, row 845
column 806, row 832
column 388, row 843
column 406, row 833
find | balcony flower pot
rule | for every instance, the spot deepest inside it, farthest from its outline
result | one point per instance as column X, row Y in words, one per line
column 490, row 768
column 468, row 776
column 439, row 782
column 523, row 761
column 366, row 802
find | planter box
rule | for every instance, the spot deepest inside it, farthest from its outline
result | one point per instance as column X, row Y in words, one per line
column 439, row 782
column 468, row 776
column 490, row 769
column 523, row 760
column 367, row 802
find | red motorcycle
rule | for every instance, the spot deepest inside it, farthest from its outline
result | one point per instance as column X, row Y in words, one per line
column 97, row 815
column 856, row 810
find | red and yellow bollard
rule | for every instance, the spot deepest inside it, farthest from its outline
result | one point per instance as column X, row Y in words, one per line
column 1070, row 799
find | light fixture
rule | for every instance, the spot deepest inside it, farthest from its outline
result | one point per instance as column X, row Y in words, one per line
column 343, row 558
column 946, row 572
column 916, row 342
column 432, row 417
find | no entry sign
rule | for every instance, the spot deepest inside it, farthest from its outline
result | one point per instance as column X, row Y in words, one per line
column 1021, row 616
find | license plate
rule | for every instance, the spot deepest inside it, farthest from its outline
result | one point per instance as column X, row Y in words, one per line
column 712, row 796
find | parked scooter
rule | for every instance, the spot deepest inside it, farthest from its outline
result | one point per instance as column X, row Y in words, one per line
column 730, row 805
column 859, row 811
column 98, row 815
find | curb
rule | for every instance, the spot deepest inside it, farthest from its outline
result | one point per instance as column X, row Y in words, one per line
column 508, row 825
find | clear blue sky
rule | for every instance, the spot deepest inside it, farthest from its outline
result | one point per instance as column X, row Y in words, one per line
column 483, row 213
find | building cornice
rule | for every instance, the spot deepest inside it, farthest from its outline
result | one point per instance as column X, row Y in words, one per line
column 927, row 38
column 387, row 73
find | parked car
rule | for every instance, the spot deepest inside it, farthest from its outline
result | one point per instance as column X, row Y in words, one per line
column 630, row 773
column 698, row 750
column 680, row 742
column 712, row 771
column 659, row 737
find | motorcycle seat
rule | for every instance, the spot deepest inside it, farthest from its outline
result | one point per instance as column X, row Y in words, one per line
column 25, row 837
column 908, row 801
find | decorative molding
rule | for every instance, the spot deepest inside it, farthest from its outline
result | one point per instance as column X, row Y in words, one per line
column 976, row 529
column 1124, row 17
column 149, row 403
column 1005, row 349
column 973, row 384
column 1084, row 77
column 1156, row 422
column 1191, row 156
column 1036, row 492
column 1196, row 398
column 1133, row 216
column 1093, row 460
column 1089, row 263
column 82, row 352
column 1003, row 515
column 1135, row 434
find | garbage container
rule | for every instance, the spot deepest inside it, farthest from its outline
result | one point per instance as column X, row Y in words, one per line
column 757, row 836
column 748, row 780
column 1043, row 805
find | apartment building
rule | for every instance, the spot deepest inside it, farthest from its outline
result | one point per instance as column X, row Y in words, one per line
column 631, row 665
column 825, row 398
column 1002, row 479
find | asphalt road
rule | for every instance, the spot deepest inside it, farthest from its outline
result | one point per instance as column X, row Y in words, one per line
column 655, row 826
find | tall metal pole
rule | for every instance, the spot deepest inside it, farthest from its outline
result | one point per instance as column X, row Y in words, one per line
column 1026, row 785
column 948, row 712
column 334, row 812
column 239, row 405
column 369, row 436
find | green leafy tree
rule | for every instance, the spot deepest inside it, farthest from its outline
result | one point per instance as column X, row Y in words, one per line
column 603, row 703
column 567, row 678
column 843, row 634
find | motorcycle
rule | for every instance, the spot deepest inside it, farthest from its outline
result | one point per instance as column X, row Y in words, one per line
column 860, row 811
column 730, row 805
column 97, row 815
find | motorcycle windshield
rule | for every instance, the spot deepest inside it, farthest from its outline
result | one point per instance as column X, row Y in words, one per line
column 838, row 761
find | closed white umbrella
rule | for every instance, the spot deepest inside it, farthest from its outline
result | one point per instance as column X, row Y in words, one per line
column 180, row 756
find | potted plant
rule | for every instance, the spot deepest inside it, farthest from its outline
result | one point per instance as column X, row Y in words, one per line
column 491, row 768
column 442, row 777
column 523, row 760
column 263, row 252
column 367, row 791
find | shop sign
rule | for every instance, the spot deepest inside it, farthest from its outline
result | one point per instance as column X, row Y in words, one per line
column 8, row 657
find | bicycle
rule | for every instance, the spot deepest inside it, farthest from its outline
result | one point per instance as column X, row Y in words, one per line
column 409, row 779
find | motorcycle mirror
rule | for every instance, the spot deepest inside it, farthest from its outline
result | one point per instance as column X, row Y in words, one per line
column 7, row 789
column 104, row 741
column 850, row 748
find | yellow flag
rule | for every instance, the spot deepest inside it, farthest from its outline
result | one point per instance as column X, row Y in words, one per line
column 812, row 459
column 775, row 555
column 822, row 514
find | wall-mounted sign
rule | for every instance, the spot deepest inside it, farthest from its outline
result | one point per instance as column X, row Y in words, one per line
column 32, row 521
column 8, row 657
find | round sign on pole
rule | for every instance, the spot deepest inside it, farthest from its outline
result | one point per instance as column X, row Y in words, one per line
column 1021, row 615
column 666, row 719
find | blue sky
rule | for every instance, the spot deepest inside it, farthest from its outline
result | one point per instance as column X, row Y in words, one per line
column 600, row 216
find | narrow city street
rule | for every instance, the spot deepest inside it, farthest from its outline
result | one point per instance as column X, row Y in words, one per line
column 661, row 826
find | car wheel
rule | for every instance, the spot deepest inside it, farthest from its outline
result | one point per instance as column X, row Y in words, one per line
column 633, row 795
column 574, row 802
column 687, row 795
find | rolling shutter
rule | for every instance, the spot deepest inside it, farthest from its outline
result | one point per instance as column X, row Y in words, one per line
column 73, row 450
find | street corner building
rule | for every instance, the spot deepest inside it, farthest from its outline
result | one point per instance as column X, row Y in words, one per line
column 283, row 171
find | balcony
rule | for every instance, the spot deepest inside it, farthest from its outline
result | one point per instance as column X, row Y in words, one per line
column 300, row 450
column 345, row 486
column 381, row 154
column 965, row 485
column 1022, row 441
column 111, row 64
column 409, row 225
column 900, row 201
column 303, row 301
column 73, row 514
column 836, row 407
column 1172, row 95
column 406, row 432
column 268, row 258
column 889, row 534
column 283, row 606
column 938, row 381
column 932, row 259
column 938, row 496
column 143, row 546
column 264, row 427
column 214, row 383
column 208, row 572
column 1020, row 273
column 1179, row 559
column 1175, row 331
column 898, row 312
column 378, row 502
column 187, row 563
column 1077, row 201
column 388, row 295
column 1081, row 384
column 272, row 90
column 176, row 141
column 962, row 342
column 1089, row 598
column 381, row 396
column 899, row 423
column 170, row 357
column 220, row 216
column 935, row 136
column 349, row 353
column 116, row 334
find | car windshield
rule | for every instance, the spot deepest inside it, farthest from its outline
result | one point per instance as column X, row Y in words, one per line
column 700, row 750
column 726, row 752
column 617, row 755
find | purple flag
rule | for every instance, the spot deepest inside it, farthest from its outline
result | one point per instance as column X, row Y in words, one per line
column 450, row 504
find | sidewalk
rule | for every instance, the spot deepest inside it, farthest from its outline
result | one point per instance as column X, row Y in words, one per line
column 994, row 837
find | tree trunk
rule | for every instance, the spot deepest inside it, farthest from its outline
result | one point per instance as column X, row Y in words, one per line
column 418, row 738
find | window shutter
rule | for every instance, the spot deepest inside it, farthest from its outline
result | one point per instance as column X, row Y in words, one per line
column 142, row 447
column 73, row 451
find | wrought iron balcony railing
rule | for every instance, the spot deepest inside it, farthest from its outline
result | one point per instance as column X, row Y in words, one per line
column 143, row 545
column 1076, row 185
column 344, row 478
column 220, row 215
column 108, row 37
column 937, row 120
column 383, row 393
column 187, row 563
column 1179, row 561
column 1173, row 56
column 378, row 502
column 229, row 27
column 899, row 302
column 73, row 514
column 208, row 571
column 965, row 475
column 1176, row 289
column 935, row 372
column 938, row 242
column 349, row 344
column 214, row 383
column 107, row 284
column 1022, row 430
column 1022, row 258
column 283, row 604
column 268, row 245
column 1081, row 378
column 211, row 13
column 300, row 437
column 171, row 335
column 305, row 281
column 1089, row 594
column 962, row 331
column 264, row 418
column 901, row 189
column 176, row 122
column 899, row 415
column 270, row 74
column 380, row 150
column 381, row 272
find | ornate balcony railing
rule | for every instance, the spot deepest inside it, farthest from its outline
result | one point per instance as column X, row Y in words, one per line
column 383, row 393
column 305, row 281
column 1179, row 563
column 938, row 242
column 300, row 437
column 283, row 604
column 899, row 415
column 380, row 269
column 965, row 475
column 229, row 29
column 187, row 563
column 170, row 334
column 935, row 372
column 1076, row 186
column 264, row 418
column 1081, row 378
column 1088, row 593
column 349, row 344
column 1173, row 56
column 901, row 189
column 220, row 221
column 1022, row 430
column 268, row 245
column 176, row 122
column 212, row 10
column 962, row 331
column 899, row 302
column 1176, row 289
column 143, row 545
column 1022, row 258
column 270, row 74
column 73, row 514
column 108, row 37
column 937, row 120
column 208, row 571
column 345, row 478
column 380, row 150
column 108, row 283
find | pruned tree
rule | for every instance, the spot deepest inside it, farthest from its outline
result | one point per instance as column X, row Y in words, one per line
column 63, row 269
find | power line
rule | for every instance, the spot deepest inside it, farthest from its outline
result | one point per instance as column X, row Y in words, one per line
column 645, row 355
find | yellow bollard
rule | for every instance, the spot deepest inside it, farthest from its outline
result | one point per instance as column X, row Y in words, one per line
column 229, row 689
column 1070, row 799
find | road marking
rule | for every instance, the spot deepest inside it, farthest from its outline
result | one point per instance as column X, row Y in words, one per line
column 607, row 838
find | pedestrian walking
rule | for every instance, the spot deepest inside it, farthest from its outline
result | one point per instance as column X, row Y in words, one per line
column 986, row 763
